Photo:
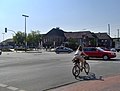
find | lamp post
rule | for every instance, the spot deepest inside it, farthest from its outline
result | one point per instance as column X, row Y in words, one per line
column 118, row 33
column 25, row 31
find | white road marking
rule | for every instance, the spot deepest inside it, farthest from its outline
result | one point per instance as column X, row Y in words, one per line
column 3, row 85
column 12, row 88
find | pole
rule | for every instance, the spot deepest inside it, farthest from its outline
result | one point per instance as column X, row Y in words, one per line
column 118, row 34
column 25, row 36
column 3, row 36
column 109, row 29
column 25, row 33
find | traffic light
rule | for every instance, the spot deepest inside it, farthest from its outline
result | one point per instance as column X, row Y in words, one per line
column 5, row 30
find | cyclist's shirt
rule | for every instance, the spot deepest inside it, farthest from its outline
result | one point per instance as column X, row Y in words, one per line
column 78, row 52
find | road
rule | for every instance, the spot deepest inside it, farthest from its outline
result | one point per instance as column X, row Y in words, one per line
column 42, row 71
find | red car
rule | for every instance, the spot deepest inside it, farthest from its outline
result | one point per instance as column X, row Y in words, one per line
column 98, row 52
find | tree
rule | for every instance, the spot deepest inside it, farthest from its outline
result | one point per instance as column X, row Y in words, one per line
column 19, row 38
column 34, row 38
column 72, row 43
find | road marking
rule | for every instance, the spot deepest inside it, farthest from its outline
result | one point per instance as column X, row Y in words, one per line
column 21, row 90
column 3, row 85
column 12, row 88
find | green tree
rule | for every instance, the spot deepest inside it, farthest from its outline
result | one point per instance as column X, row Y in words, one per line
column 93, row 42
column 33, row 39
column 72, row 43
column 19, row 38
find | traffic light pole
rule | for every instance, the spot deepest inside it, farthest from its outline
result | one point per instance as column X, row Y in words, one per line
column 9, row 30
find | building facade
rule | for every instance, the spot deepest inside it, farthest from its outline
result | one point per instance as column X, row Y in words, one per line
column 56, row 37
column 53, row 38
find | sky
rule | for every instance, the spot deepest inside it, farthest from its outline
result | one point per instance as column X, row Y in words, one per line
column 69, row 15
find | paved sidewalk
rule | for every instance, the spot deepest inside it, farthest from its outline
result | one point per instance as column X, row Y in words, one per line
column 106, row 84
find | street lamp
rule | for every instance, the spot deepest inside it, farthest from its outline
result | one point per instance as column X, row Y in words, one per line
column 25, row 31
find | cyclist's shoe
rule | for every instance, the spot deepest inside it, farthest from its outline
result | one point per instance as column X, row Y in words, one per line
column 87, row 73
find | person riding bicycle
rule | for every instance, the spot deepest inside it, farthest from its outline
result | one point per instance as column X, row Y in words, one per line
column 79, row 55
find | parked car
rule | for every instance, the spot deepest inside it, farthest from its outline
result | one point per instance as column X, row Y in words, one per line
column 99, row 53
column 117, row 48
column 113, row 49
column 62, row 49
column 0, row 52
column 52, row 50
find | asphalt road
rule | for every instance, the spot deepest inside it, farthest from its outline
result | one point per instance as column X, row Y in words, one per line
column 42, row 71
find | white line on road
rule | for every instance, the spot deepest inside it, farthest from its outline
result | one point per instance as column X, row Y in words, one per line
column 12, row 88
column 21, row 90
column 3, row 85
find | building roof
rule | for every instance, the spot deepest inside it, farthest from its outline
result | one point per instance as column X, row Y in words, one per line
column 78, row 34
column 55, row 32
column 102, row 36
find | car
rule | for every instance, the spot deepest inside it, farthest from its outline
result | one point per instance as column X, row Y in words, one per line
column 52, row 50
column 98, row 52
column 0, row 52
column 62, row 49
column 117, row 48
column 104, row 48
column 113, row 49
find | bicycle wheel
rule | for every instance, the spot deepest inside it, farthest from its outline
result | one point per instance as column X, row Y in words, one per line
column 76, row 70
column 86, row 68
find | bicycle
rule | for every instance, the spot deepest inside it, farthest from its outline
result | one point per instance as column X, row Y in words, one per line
column 77, row 68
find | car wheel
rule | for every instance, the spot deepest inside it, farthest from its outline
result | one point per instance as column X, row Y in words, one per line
column 105, row 57
column 57, row 52
column 117, row 50
column 69, row 51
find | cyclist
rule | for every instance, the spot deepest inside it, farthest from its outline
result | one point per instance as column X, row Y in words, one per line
column 79, row 55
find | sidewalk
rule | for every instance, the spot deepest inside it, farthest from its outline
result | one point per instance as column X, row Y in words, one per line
column 107, row 84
